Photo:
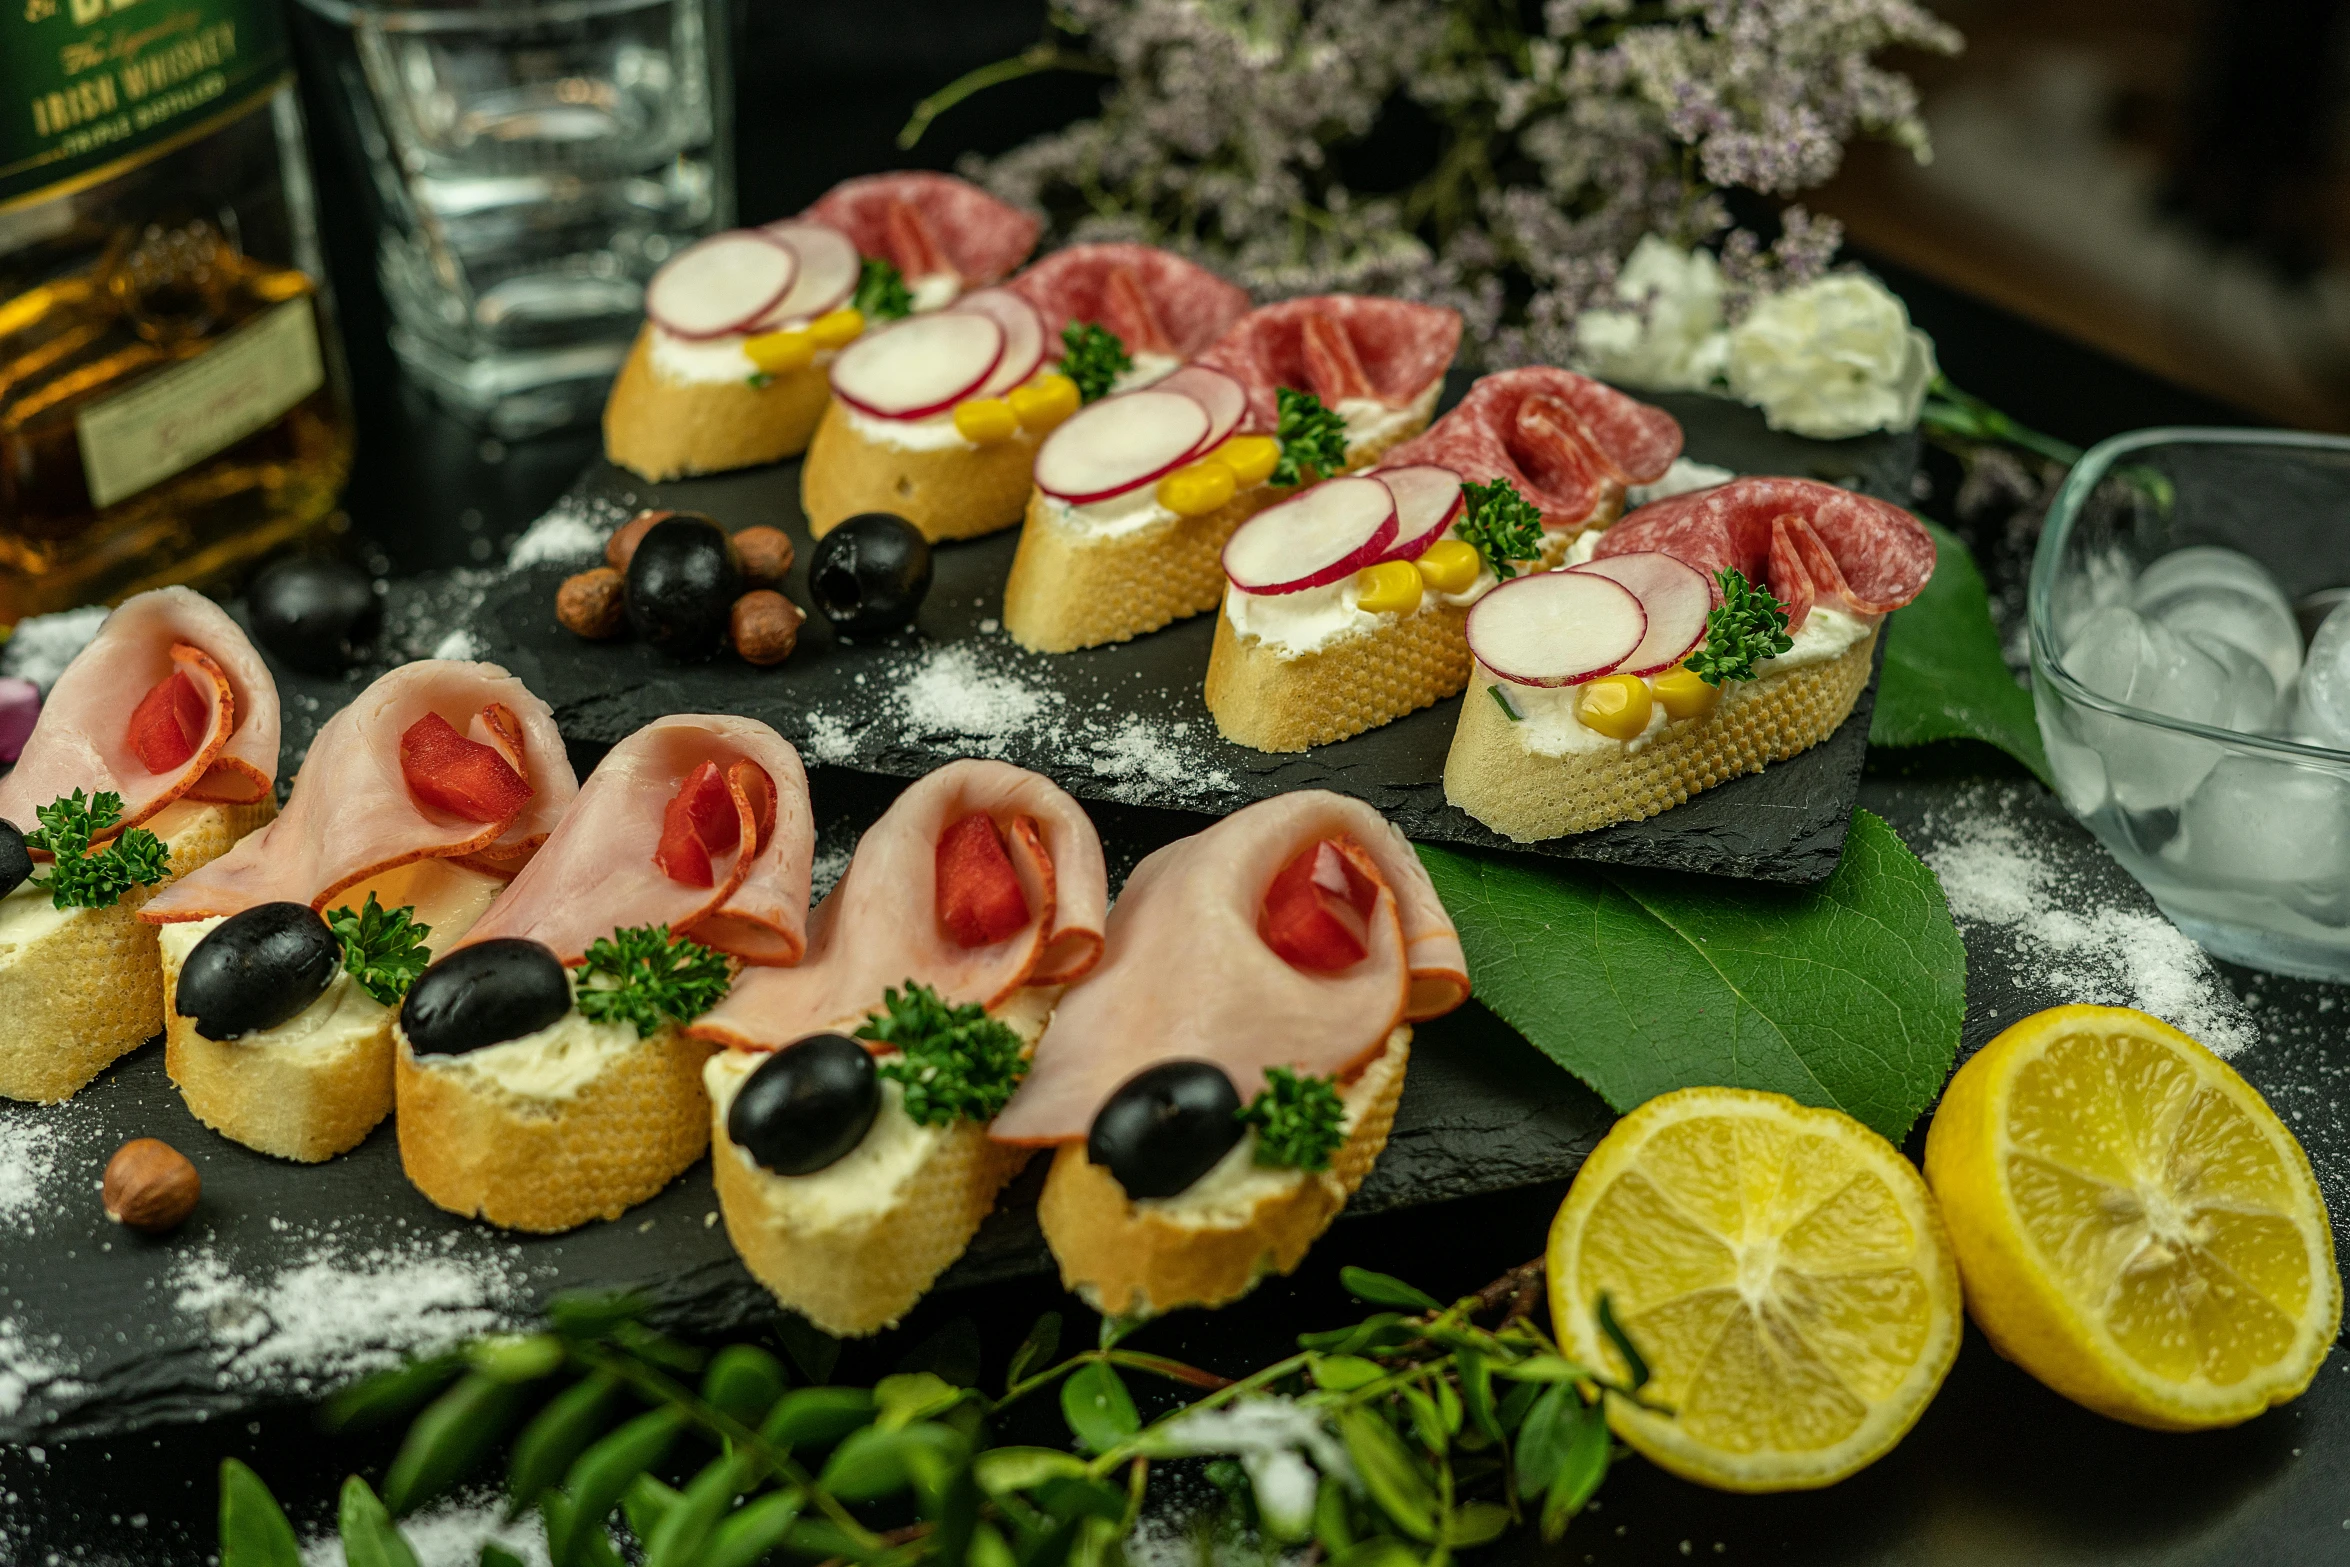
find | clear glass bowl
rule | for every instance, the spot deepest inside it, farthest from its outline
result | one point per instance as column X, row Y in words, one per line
column 2243, row 839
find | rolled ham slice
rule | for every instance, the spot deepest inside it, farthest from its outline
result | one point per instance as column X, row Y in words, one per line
column 352, row 816
column 880, row 927
column 83, row 738
column 925, row 224
column 1154, row 300
column 1185, row 975
column 1341, row 348
column 1562, row 440
column 597, row 871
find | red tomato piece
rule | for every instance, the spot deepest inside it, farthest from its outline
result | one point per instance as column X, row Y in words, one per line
column 682, row 855
column 1316, row 912
column 462, row 777
column 169, row 723
column 979, row 897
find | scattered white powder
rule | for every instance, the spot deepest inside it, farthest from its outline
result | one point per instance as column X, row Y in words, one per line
column 26, row 1365
column 574, row 529
column 418, row 612
column 450, row 1533
column 829, row 739
column 31, row 1142
column 460, row 644
column 42, row 645
column 1141, row 758
column 955, row 692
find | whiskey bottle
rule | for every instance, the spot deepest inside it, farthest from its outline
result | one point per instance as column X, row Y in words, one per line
column 172, row 398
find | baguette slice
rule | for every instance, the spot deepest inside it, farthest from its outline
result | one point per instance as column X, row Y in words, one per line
column 1528, row 797
column 81, row 988
column 662, row 429
column 548, row 1162
column 956, row 492
column 1272, row 701
column 1208, row 1246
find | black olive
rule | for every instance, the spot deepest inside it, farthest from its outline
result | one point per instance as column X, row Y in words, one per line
column 315, row 614
column 1166, row 1126
column 257, row 969
column 682, row 581
column 16, row 862
column 485, row 994
column 807, row 1105
column 870, row 573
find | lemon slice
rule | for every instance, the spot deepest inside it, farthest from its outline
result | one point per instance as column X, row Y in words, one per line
column 2135, row 1226
column 1781, row 1269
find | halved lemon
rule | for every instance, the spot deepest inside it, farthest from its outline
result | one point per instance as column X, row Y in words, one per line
column 1782, row 1270
column 2134, row 1225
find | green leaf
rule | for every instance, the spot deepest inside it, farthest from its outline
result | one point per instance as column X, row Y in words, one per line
column 645, row 977
column 753, row 1532
column 744, row 1381
column 1503, row 527
column 1749, row 624
column 370, row 1538
column 1002, row 1469
column 1094, row 357
column 603, row 1474
column 677, row 1540
column 1382, row 1290
column 1847, row 995
column 1582, row 1464
column 912, row 1395
column 1345, row 1373
column 881, row 294
column 1300, row 1121
column 253, row 1528
column 869, row 1464
column 1635, row 1363
column 495, row 1555
column 1944, row 678
column 1036, row 1351
column 1375, row 1332
column 1388, row 1473
column 516, row 1357
column 455, row 1433
column 1312, row 437
column 1099, row 1409
column 1542, row 1440
column 817, row 1416
column 1476, row 1523
column 1477, row 1392
column 384, row 952
column 556, row 1436
column 390, row 1395
column 1378, row 1551
column 80, row 879
column 954, row 1062
column 646, row 1503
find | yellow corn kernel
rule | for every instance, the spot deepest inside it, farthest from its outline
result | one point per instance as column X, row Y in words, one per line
column 1450, row 565
column 1684, row 695
column 1616, row 705
column 1044, row 402
column 985, row 419
column 1250, row 457
column 775, row 352
column 1196, row 490
column 838, row 328
column 1390, row 588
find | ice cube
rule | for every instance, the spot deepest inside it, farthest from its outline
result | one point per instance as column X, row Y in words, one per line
column 2227, row 595
column 2272, row 825
column 2118, row 654
column 2323, row 709
column 2251, row 707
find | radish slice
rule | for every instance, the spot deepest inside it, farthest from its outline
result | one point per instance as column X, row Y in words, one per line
column 829, row 267
column 1673, row 595
column 1023, row 336
column 1427, row 499
column 1119, row 443
column 1224, row 398
column 1556, row 628
column 721, row 284
column 1317, row 537
column 920, row 366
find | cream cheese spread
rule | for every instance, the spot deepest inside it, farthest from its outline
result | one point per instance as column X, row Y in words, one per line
column 556, row 1062
column 1121, row 516
column 343, row 1015
column 27, row 918
column 1370, row 423
column 934, row 292
column 1146, row 369
column 934, row 434
column 709, row 361
column 1682, row 477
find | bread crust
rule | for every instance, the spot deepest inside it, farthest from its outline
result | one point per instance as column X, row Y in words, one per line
column 1132, row 1259
column 305, row 1103
column 958, row 492
column 546, row 1166
column 662, row 429
column 79, row 999
column 1271, row 703
column 1527, row 798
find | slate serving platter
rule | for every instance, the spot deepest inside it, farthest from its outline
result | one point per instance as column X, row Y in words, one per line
column 1126, row 723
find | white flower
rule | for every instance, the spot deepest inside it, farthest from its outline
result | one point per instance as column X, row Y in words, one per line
column 1273, row 1438
column 1833, row 358
column 1676, row 345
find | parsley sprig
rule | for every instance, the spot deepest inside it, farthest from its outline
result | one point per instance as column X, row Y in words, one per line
column 1300, row 1121
column 643, row 975
column 955, row 1061
column 383, row 949
column 882, row 294
column 1750, row 624
column 1313, row 439
column 1503, row 526
column 80, row 879
column 1094, row 357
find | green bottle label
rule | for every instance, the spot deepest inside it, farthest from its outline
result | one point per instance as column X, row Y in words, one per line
column 91, row 87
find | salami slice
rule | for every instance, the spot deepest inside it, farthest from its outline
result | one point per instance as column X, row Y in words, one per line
column 1337, row 346
column 1156, row 301
column 1811, row 542
column 1561, row 439
column 924, row 223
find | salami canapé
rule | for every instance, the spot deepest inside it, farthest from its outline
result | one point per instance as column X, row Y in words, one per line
column 1154, row 300
column 1340, row 347
column 924, row 224
column 1561, row 440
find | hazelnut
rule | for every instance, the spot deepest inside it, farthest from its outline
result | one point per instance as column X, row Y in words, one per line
column 766, row 555
column 765, row 626
column 150, row 1186
column 592, row 603
column 622, row 544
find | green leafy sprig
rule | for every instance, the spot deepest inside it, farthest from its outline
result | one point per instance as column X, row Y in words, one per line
column 79, row 879
column 953, row 1062
column 1313, row 439
column 1748, row 625
column 1094, row 357
column 644, row 976
column 881, row 294
column 1456, row 1423
column 1300, row 1121
column 1501, row 525
column 383, row 949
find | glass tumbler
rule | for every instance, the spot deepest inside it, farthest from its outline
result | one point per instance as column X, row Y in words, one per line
column 531, row 163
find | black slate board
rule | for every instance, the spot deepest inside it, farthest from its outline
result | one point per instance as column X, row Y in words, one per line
column 1126, row 723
